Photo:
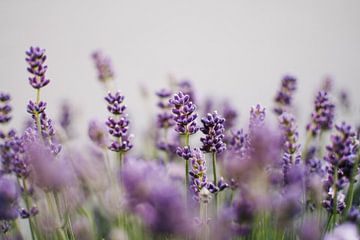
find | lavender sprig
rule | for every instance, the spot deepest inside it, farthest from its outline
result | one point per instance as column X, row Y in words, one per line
column 341, row 155
column 36, row 59
column 5, row 108
column 284, row 96
column 118, row 124
column 323, row 116
column 291, row 147
column 104, row 66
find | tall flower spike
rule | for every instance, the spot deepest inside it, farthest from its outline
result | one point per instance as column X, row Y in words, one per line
column 36, row 59
column 291, row 146
column 5, row 108
column 341, row 154
column 165, row 118
column 184, row 114
column 284, row 96
column 213, row 128
column 257, row 118
column 323, row 116
column 103, row 65
column 118, row 125
column 198, row 173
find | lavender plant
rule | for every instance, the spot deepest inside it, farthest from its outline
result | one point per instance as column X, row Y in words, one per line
column 276, row 191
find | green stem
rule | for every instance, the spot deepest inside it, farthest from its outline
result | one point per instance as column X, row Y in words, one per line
column 27, row 203
column 350, row 194
column 306, row 145
column 187, row 140
column 215, row 180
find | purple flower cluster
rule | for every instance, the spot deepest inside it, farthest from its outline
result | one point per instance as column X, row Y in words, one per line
column 257, row 118
column 323, row 116
column 5, row 108
column 184, row 114
column 213, row 128
column 9, row 194
column 341, row 156
column 291, row 147
column 153, row 196
column 98, row 134
column 118, row 125
column 104, row 66
column 36, row 58
column 284, row 96
column 238, row 143
column 165, row 118
column 198, row 173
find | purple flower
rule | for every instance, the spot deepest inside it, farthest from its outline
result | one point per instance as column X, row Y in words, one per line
column 323, row 116
column 284, row 96
column 65, row 118
column 36, row 58
column 103, row 66
column 257, row 118
column 198, row 173
column 118, row 125
column 230, row 114
column 5, row 108
column 187, row 88
column 341, row 154
column 213, row 128
column 9, row 194
column 184, row 114
column 157, row 199
column 97, row 133
column 291, row 147
column 239, row 141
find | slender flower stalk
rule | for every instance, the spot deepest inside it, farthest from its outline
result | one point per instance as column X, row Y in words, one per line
column 118, row 125
column 184, row 115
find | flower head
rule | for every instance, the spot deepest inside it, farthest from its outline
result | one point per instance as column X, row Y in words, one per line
column 9, row 194
column 5, row 108
column 284, row 96
column 184, row 114
column 323, row 116
column 213, row 128
column 36, row 59
column 103, row 65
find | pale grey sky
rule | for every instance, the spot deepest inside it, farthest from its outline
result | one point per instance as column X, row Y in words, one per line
column 238, row 49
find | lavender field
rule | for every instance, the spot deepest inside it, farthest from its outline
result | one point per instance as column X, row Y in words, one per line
column 200, row 176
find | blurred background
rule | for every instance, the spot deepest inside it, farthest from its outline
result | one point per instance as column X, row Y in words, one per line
column 231, row 49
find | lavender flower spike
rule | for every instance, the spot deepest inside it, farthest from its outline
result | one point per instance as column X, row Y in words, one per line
column 184, row 114
column 257, row 118
column 198, row 173
column 9, row 194
column 213, row 128
column 283, row 98
column 118, row 125
column 5, row 108
column 104, row 66
column 323, row 116
column 36, row 58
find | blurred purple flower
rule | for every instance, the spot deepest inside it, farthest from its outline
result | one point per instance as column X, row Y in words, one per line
column 103, row 65
column 9, row 194
column 323, row 116
column 5, row 108
column 98, row 134
column 284, row 96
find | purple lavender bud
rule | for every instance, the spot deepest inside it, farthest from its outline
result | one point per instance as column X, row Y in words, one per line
column 9, row 194
column 115, row 103
column 97, row 133
column 238, row 142
column 354, row 215
column 213, row 128
column 184, row 152
column 103, row 66
column 184, row 114
column 65, row 118
column 119, row 124
column 36, row 58
column 5, row 108
column 24, row 213
column 257, row 118
column 36, row 108
column 344, row 99
column 198, row 173
column 291, row 146
column 164, row 93
column 323, row 116
column 230, row 114
column 284, row 96
column 186, row 87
